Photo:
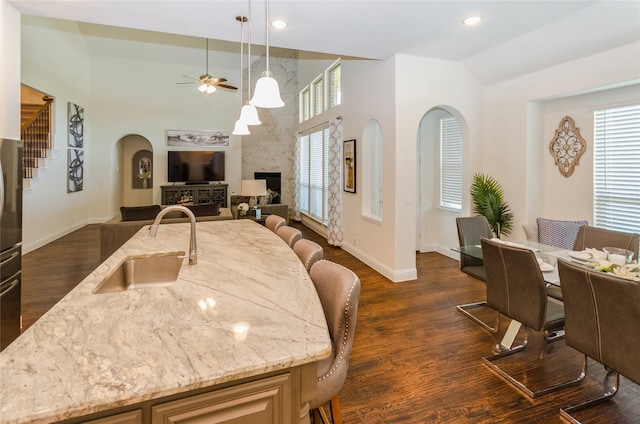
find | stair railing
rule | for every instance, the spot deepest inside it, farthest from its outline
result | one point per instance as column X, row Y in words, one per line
column 36, row 137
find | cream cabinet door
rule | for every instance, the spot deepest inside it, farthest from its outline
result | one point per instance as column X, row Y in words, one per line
column 266, row 401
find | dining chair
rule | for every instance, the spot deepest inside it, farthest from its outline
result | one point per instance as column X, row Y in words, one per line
column 339, row 292
column 289, row 234
column 274, row 222
column 597, row 238
column 308, row 251
column 516, row 289
column 470, row 230
column 602, row 321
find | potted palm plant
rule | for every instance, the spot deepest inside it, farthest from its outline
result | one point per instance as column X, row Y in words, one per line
column 488, row 200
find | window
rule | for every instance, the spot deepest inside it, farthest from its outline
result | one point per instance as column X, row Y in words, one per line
column 616, row 171
column 318, row 95
column 450, row 164
column 372, row 170
column 304, row 104
column 335, row 93
column 314, row 174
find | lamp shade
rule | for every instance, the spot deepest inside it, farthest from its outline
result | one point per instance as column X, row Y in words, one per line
column 249, row 115
column 267, row 92
column 240, row 128
column 254, row 188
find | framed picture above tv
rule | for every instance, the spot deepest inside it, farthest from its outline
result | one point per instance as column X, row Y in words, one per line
column 187, row 166
column 212, row 138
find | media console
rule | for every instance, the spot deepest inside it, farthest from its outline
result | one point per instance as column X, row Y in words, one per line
column 197, row 194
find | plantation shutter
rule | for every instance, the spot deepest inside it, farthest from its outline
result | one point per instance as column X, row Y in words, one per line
column 303, row 195
column 617, row 168
column 450, row 164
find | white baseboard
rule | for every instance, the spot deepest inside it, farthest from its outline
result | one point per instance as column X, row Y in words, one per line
column 29, row 247
column 394, row 275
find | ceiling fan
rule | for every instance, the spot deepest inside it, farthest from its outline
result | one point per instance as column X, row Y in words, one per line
column 207, row 83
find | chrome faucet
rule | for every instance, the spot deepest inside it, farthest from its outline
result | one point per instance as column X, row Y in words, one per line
column 193, row 249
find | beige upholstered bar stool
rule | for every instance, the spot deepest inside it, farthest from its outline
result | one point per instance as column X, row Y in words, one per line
column 308, row 251
column 273, row 222
column 289, row 234
column 339, row 291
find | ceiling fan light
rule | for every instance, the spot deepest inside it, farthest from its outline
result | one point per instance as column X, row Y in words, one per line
column 202, row 88
column 249, row 115
column 211, row 89
column 240, row 128
column 267, row 92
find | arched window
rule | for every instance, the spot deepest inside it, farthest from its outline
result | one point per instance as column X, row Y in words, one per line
column 372, row 170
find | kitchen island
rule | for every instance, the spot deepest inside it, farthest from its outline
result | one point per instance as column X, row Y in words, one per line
column 237, row 335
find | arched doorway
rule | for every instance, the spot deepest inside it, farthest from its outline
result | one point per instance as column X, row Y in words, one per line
column 135, row 160
column 435, row 223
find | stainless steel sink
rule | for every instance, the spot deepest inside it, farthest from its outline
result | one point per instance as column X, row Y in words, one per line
column 139, row 272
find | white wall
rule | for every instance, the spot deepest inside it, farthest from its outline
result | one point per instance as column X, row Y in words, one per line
column 9, row 71
column 55, row 61
column 126, row 87
column 423, row 84
column 520, row 117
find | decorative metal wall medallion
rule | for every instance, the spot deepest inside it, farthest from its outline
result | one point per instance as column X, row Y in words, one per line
column 567, row 146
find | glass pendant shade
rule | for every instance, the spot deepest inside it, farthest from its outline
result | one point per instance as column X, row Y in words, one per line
column 267, row 92
column 202, row 88
column 249, row 115
column 240, row 128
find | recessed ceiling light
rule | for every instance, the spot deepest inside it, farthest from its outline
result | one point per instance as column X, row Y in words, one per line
column 278, row 24
column 472, row 20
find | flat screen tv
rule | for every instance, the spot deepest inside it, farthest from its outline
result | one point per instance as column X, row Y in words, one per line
column 194, row 166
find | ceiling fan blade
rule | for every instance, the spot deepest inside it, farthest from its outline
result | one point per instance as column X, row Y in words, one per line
column 230, row 87
column 191, row 78
column 217, row 80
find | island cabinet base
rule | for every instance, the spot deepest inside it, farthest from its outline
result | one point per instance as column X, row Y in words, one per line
column 275, row 398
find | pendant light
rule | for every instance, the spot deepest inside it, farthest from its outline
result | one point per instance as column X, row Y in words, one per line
column 240, row 128
column 249, row 113
column 267, row 92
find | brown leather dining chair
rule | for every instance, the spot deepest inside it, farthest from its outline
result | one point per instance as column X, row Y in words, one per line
column 602, row 321
column 597, row 238
column 339, row 292
column 309, row 252
column 516, row 289
column 470, row 230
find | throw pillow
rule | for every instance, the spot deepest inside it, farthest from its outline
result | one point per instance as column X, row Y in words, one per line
column 209, row 209
column 264, row 200
column 139, row 213
column 562, row 234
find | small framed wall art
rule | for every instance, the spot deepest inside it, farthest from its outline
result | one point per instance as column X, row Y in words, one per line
column 349, row 164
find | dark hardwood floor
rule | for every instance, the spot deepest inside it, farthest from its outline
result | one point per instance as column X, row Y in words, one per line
column 415, row 359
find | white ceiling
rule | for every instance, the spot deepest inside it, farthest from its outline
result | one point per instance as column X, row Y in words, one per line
column 515, row 36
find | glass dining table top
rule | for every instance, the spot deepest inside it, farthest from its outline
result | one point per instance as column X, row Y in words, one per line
column 548, row 254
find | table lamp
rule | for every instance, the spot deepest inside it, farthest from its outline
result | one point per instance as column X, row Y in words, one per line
column 254, row 188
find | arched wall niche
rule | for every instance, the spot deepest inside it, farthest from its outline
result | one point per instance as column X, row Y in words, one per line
column 131, row 149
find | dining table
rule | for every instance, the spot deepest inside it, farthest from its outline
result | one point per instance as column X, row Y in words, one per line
column 547, row 257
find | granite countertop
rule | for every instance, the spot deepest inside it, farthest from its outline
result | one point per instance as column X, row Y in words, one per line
column 92, row 352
